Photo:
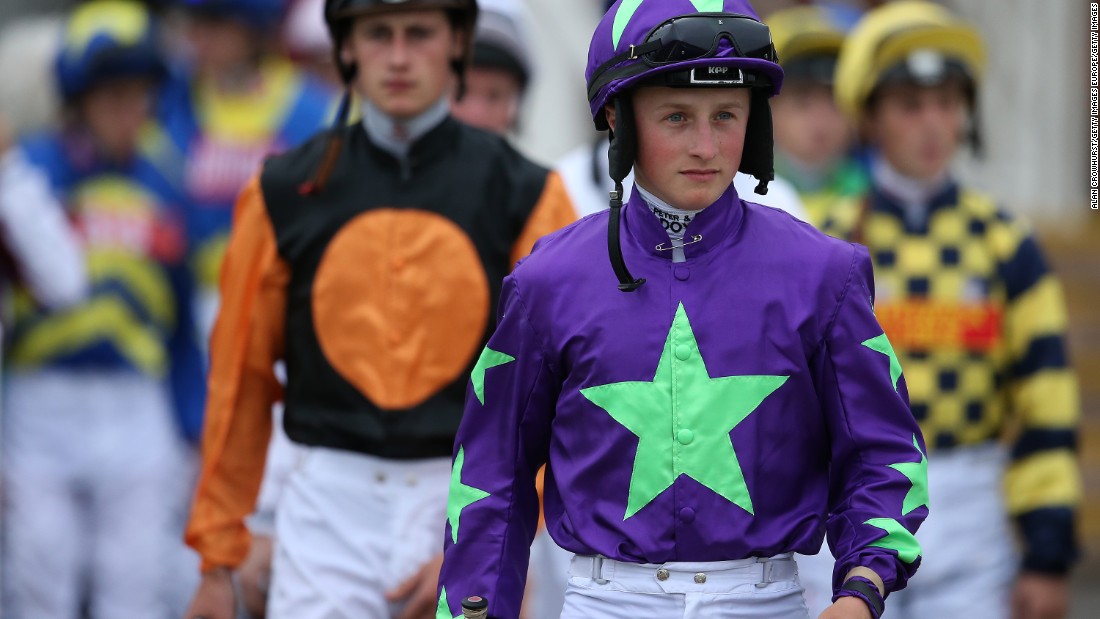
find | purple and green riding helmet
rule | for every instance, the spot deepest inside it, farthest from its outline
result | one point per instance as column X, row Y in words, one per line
column 682, row 44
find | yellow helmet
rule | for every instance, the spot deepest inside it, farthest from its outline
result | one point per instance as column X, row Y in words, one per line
column 808, row 40
column 913, row 39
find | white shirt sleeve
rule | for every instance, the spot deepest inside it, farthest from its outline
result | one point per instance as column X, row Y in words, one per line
column 33, row 227
column 781, row 194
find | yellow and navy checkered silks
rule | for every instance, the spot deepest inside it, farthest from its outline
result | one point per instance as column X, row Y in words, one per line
column 978, row 323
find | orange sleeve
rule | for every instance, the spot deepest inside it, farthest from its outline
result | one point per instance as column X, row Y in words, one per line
column 246, row 342
column 540, row 485
column 553, row 211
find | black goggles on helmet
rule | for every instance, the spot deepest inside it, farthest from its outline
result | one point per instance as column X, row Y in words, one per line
column 689, row 37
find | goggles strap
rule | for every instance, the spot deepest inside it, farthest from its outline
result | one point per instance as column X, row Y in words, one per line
column 633, row 52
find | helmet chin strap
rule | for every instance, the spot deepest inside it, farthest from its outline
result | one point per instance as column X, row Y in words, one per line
column 620, row 158
column 759, row 152
column 316, row 184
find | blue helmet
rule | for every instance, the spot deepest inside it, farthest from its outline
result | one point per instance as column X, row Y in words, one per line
column 107, row 39
column 260, row 14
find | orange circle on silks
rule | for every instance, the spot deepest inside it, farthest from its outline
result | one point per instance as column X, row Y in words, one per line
column 400, row 304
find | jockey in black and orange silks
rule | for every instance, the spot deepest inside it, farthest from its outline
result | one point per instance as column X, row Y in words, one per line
column 369, row 260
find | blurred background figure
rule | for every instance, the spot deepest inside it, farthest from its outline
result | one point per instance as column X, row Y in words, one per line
column 496, row 79
column 978, row 323
column 500, row 69
column 42, row 252
column 813, row 139
column 91, row 446
column 239, row 101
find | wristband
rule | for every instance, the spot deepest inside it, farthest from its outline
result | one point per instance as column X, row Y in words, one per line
column 867, row 592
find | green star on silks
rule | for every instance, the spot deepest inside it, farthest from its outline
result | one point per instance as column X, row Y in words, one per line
column 489, row 359
column 882, row 344
column 683, row 420
column 897, row 538
column 443, row 610
column 460, row 495
column 708, row 6
column 917, row 474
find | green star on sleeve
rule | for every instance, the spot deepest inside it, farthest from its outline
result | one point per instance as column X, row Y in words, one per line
column 461, row 496
column 489, row 359
column 917, row 474
column 882, row 344
column 897, row 538
column 443, row 610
